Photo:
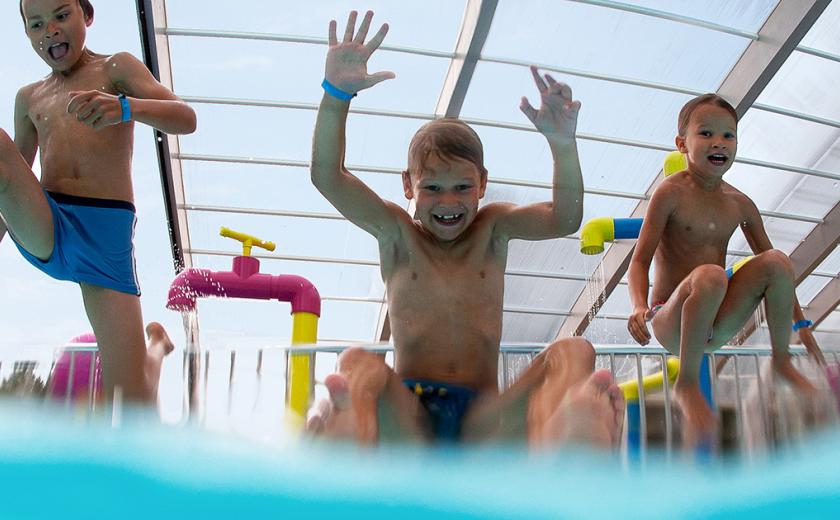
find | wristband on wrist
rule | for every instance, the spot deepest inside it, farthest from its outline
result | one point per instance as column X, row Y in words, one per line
column 125, row 106
column 801, row 324
column 336, row 92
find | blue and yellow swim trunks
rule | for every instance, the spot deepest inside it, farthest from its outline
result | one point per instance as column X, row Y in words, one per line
column 446, row 405
column 94, row 242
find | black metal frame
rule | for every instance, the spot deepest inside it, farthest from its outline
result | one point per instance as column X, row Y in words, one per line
column 146, row 24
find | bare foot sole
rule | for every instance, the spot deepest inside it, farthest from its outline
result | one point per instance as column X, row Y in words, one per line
column 590, row 413
column 700, row 424
column 159, row 338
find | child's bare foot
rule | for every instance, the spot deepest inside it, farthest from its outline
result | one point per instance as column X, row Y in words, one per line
column 158, row 338
column 785, row 368
column 336, row 418
column 700, row 423
column 590, row 413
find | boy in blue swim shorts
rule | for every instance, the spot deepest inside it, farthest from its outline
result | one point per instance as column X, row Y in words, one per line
column 699, row 305
column 444, row 269
column 77, row 224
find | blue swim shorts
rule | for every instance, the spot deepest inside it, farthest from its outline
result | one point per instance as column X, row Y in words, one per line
column 446, row 405
column 94, row 242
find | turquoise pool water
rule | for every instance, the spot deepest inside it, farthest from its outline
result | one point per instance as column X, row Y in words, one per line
column 51, row 468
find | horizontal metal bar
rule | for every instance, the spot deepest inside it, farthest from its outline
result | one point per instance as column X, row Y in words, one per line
column 391, row 171
column 527, row 348
column 797, row 115
column 664, row 15
column 595, row 75
column 491, row 180
column 556, row 276
column 510, row 126
column 352, row 299
column 290, row 258
column 264, row 212
column 819, row 53
column 285, row 38
column 527, row 310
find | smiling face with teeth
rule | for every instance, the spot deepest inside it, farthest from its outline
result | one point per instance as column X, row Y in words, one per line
column 57, row 30
column 446, row 192
column 710, row 140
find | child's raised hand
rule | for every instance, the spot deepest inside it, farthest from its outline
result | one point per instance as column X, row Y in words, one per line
column 347, row 61
column 557, row 117
column 95, row 108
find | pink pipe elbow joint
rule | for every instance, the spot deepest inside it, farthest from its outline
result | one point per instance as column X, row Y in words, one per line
column 243, row 281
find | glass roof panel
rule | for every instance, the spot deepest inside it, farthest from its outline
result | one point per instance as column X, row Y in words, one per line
column 823, row 34
column 313, row 18
column 607, row 108
column 810, row 287
column 293, row 236
column 831, row 264
column 576, row 31
column 270, row 187
column 215, row 67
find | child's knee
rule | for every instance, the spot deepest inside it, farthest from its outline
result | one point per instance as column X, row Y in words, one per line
column 353, row 358
column 777, row 263
column 575, row 349
column 709, row 280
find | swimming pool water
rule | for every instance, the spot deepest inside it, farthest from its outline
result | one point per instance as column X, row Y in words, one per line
column 53, row 468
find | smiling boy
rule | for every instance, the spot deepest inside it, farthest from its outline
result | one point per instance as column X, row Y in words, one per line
column 695, row 307
column 444, row 270
column 78, row 223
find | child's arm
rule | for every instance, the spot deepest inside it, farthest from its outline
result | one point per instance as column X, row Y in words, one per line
column 756, row 235
column 557, row 121
column 26, row 137
column 151, row 103
column 656, row 217
column 346, row 70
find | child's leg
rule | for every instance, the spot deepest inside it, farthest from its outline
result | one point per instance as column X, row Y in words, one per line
column 22, row 202
column 118, row 324
column 683, row 326
column 770, row 276
column 368, row 402
column 557, row 399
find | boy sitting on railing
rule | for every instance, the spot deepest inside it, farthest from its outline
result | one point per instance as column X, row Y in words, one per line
column 444, row 272
column 696, row 307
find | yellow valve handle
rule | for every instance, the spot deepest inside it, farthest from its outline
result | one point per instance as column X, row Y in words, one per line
column 248, row 241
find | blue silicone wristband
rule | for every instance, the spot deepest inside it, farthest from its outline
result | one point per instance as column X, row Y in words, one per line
column 336, row 92
column 802, row 323
column 126, row 107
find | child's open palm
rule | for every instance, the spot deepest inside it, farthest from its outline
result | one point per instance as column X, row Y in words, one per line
column 557, row 117
column 347, row 61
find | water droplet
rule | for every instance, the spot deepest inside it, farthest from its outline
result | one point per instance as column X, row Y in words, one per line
column 835, row 184
column 160, row 139
column 113, row 64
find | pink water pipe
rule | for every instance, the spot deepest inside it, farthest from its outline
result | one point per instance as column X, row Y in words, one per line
column 243, row 281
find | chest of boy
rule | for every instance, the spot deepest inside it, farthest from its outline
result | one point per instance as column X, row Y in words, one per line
column 700, row 223
column 48, row 103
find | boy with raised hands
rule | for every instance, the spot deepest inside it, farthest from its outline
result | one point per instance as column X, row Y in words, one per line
column 444, row 268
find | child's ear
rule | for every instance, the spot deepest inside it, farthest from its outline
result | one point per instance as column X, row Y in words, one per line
column 407, row 187
column 680, row 142
column 482, row 186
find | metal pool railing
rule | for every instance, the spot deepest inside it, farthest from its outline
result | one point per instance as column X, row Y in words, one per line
column 739, row 388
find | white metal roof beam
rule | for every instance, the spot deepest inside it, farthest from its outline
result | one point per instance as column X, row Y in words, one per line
column 781, row 33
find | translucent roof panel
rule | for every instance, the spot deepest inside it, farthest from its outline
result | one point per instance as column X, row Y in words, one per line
column 670, row 52
column 217, row 67
column 607, row 109
column 312, row 19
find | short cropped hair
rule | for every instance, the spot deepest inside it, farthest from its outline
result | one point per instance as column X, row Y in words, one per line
column 87, row 8
column 446, row 138
column 705, row 99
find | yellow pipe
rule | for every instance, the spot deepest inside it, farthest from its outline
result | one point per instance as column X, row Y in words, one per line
column 594, row 233
column 674, row 163
column 299, row 373
column 651, row 383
